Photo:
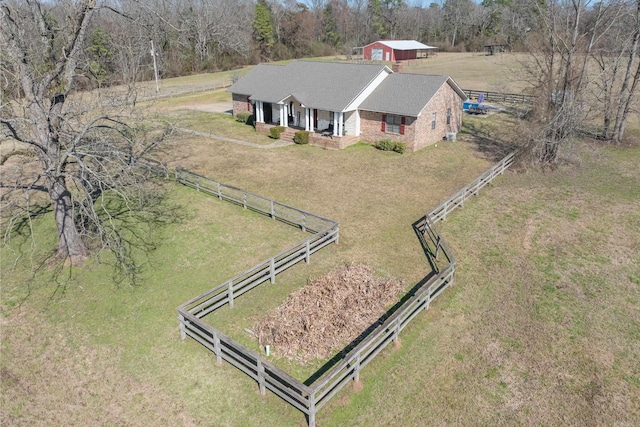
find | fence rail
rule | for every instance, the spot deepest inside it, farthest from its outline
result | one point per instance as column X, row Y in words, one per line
column 276, row 210
column 310, row 398
column 499, row 97
column 458, row 199
column 149, row 93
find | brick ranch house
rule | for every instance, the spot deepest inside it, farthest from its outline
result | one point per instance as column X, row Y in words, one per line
column 343, row 103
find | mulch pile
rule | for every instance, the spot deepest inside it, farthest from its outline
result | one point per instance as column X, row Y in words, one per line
column 328, row 313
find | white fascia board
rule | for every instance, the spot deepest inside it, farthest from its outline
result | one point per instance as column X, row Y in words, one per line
column 454, row 85
column 368, row 90
column 285, row 99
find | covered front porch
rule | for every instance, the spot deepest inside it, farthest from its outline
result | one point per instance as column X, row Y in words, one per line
column 291, row 113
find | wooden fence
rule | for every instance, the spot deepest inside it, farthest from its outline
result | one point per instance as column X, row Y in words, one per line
column 458, row 199
column 276, row 210
column 149, row 93
column 310, row 396
column 499, row 97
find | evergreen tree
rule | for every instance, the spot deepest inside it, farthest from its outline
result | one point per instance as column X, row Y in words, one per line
column 263, row 29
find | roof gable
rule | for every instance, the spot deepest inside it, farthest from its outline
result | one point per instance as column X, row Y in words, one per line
column 407, row 94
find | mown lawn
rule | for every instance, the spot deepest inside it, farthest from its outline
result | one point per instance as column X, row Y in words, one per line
column 215, row 124
column 540, row 328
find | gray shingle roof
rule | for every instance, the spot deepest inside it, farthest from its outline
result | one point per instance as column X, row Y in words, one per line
column 324, row 85
column 259, row 80
column 404, row 94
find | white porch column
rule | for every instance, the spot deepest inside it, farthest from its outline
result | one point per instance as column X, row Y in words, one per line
column 306, row 118
column 311, row 120
column 285, row 115
column 335, row 123
column 259, row 112
column 340, row 125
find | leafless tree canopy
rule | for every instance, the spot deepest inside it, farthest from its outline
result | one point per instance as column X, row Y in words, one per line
column 81, row 150
column 584, row 68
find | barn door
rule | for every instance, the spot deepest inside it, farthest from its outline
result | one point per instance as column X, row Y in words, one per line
column 376, row 54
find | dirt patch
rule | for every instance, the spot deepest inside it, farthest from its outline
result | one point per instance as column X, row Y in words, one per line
column 328, row 313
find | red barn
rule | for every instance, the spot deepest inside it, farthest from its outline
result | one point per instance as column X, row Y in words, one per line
column 396, row 50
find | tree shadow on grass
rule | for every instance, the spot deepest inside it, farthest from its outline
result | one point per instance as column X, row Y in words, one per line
column 491, row 139
column 136, row 229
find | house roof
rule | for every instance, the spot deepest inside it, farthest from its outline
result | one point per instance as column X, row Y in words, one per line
column 324, row 85
column 254, row 80
column 407, row 94
column 405, row 45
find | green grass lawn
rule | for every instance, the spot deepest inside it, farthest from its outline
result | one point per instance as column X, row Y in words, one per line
column 540, row 327
column 215, row 124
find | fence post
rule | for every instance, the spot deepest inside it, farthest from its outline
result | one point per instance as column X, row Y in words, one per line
column 217, row 349
column 183, row 332
column 219, row 192
column 244, row 200
column 312, row 410
column 272, row 270
column 198, row 184
column 261, row 377
column 308, row 257
column 304, row 222
column 437, row 247
column 273, row 212
column 230, row 294
column 356, row 370
column 396, row 330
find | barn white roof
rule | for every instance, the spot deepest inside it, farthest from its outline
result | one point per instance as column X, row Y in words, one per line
column 405, row 44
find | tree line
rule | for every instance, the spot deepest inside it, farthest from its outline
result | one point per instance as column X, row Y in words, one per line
column 192, row 36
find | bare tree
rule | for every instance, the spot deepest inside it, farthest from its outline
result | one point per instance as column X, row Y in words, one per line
column 88, row 147
column 457, row 19
column 558, row 72
column 616, row 56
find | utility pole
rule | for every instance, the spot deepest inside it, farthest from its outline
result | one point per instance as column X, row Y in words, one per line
column 155, row 67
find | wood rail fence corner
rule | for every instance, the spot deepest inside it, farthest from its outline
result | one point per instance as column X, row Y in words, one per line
column 311, row 395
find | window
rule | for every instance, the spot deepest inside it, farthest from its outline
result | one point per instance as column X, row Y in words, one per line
column 448, row 116
column 394, row 124
column 433, row 121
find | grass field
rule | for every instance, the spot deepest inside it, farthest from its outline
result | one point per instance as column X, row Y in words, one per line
column 541, row 326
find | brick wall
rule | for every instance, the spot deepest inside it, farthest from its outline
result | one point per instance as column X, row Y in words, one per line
column 371, row 129
column 418, row 133
column 445, row 98
column 241, row 104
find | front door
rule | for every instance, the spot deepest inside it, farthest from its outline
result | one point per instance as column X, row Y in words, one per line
column 268, row 112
